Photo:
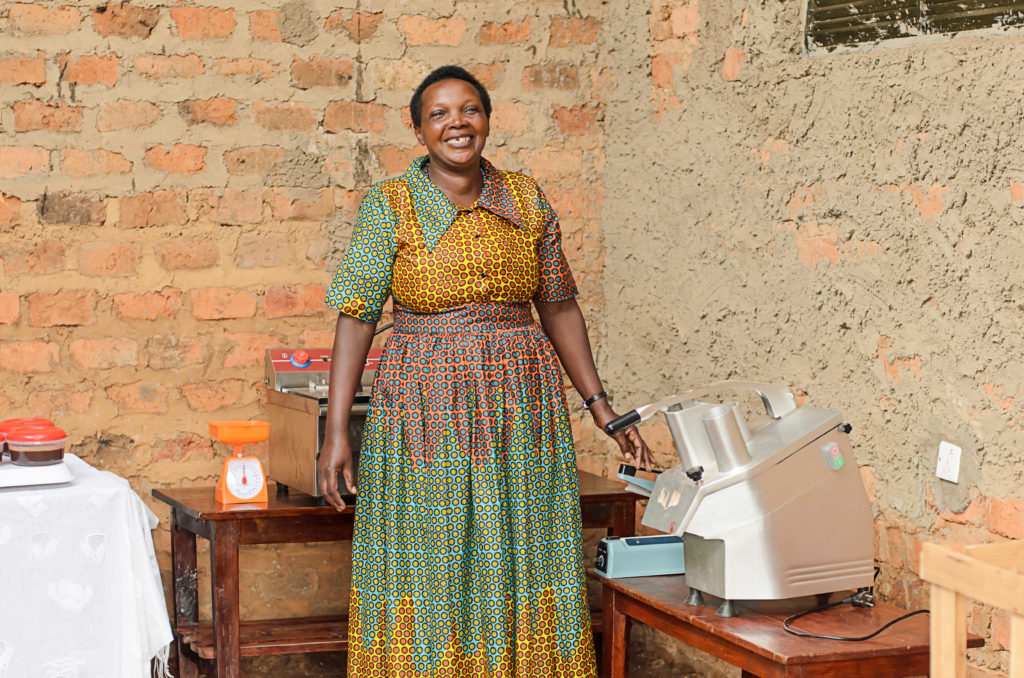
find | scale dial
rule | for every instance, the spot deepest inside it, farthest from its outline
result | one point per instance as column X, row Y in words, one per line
column 244, row 478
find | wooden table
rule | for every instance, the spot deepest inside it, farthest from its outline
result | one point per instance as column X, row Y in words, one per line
column 756, row 642
column 294, row 518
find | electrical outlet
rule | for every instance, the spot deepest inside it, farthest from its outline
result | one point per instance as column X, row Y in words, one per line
column 948, row 465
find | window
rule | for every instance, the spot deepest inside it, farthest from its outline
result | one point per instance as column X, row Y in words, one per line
column 835, row 23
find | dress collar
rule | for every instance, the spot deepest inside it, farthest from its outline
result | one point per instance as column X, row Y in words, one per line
column 436, row 212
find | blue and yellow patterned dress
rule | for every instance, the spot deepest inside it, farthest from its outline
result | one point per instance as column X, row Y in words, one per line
column 467, row 547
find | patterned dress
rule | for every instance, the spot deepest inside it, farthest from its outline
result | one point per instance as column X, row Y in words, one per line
column 467, row 547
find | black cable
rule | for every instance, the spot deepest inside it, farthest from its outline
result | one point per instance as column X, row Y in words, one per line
column 859, row 599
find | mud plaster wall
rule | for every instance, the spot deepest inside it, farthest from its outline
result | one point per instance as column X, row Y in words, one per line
column 849, row 225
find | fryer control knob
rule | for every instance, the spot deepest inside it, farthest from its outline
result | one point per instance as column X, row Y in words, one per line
column 300, row 359
column 695, row 473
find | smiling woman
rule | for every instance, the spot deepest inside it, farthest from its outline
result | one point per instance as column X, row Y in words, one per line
column 467, row 544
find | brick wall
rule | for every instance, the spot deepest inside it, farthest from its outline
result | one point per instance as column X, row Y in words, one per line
column 177, row 183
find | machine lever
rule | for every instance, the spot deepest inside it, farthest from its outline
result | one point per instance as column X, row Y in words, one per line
column 623, row 422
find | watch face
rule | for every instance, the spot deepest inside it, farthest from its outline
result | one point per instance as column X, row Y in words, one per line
column 245, row 478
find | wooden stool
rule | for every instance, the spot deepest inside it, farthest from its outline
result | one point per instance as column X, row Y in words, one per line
column 989, row 573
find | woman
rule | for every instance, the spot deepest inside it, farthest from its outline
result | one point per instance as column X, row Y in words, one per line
column 467, row 547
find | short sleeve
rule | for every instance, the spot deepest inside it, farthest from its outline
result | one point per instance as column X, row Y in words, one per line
column 363, row 281
column 556, row 281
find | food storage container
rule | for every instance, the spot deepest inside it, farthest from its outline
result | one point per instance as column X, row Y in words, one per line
column 36, row 445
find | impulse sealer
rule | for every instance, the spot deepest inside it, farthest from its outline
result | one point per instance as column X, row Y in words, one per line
column 767, row 512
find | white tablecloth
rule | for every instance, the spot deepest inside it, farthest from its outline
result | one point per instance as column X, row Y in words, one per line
column 80, row 591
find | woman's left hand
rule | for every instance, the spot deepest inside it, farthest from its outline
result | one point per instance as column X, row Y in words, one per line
column 631, row 443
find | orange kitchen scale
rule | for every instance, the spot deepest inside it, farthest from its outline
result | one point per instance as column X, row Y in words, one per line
column 241, row 480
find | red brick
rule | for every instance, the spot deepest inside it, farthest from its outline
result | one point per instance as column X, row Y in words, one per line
column 1016, row 191
column 140, row 397
column 259, row 68
column 317, row 250
column 177, row 159
column 685, row 20
column 215, row 111
column 23, row 70
column 148, row 306
column 228, row 207
column 249, row 349
column 421, row 30
column 34, row 19
column 10, row 308
column 291, row 300
column 220, row 303
column 253, row 159
column 732, row 63
column 104, row 354
column 1000, row 630
column 110, row 258
column 321, row 72
column 183, row 446
column 159, row 67
column 10, row 209
column 80, row 164
column 360, row 26
column 508, row 33
column 573, row 31
column 511, row 117
column 36, row 258
column 395, row 159
column 53, row 403
column 265, row 25
column 263, row 251
column 286, row 116
column 317, row 338
column 1006, row 517
column 561, row 75
column 158, row 208
column 575, row 202
column 213, row 395
column 63, row 308
column 551, row 163
column 300, row 203
column 186, row 254
column 339, row 167
column 118, row 19
column 126, row 115
column 89, row 69
column 487, row 74
column 355, row 116
column 172, row 352
column 17, row 161
column 28, row 356
column 203, row 23
column 72, row 208
column 579, row 119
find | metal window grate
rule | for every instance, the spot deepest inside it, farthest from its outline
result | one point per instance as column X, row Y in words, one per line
column 834, row 23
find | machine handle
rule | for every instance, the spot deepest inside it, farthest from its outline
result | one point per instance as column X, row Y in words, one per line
column 623, row 422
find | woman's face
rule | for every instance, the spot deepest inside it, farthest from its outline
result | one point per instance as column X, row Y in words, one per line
column 453, row 125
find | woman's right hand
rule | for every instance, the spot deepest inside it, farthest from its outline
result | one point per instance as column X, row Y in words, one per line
column 336, row 455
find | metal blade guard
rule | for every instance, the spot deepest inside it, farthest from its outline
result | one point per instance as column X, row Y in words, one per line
column 773, row 511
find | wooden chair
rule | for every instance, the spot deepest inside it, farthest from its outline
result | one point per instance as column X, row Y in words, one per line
column 989, row 573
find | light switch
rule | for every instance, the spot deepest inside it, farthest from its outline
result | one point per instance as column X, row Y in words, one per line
column 948, row 465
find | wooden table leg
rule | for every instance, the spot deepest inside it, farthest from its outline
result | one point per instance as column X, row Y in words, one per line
column 948, row 633
column 615, row 639
column 185, row 590
column 224, row 580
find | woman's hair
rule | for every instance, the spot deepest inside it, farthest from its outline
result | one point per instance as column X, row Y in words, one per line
column 446, row 73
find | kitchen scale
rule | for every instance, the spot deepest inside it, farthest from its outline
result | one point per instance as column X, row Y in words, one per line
column 241, row 480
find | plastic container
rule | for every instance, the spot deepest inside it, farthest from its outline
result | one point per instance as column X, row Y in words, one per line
column 7, row 424
column 36, row 445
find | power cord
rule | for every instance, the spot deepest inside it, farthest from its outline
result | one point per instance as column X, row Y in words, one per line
column 862, row 598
